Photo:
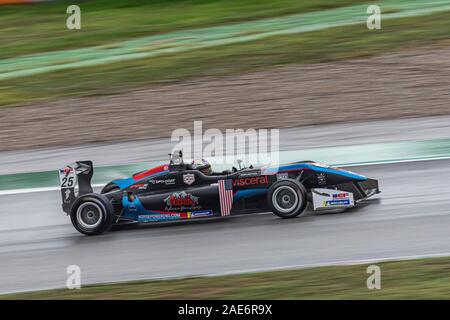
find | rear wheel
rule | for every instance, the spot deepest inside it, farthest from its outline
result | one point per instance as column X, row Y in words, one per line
column 287, row 198
column 92, row 214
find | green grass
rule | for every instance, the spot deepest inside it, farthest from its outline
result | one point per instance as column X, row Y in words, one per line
column 414, row 279
column 39, row 28
column 328, row 45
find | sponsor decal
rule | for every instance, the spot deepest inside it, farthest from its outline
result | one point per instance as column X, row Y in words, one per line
column 249, row 174
column 69, row 195
column 331, row 198
column 339, row 199
column 201, row 213
column 337, row 203
column 321, row 179
column 341, row 196
column 67, row 177
column 163, row 181
column 189, row 178
column 282, row 176
column 242, row 182
column 140, row 186
column 132, row 207
column 159, row 216
column 180, row 201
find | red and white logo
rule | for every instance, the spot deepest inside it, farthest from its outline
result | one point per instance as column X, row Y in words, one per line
column 67, row 170
column 242, row 182
column 181, row 200
column 343, row 195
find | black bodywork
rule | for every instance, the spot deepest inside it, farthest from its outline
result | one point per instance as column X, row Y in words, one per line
column 174, row 191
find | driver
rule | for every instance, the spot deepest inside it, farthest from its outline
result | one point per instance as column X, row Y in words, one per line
column 202, row 165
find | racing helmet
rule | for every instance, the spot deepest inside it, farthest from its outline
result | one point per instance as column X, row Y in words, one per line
column 201, row 165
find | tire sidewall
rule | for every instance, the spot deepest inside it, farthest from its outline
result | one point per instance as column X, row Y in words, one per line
column 101, row 202
column 289, row 184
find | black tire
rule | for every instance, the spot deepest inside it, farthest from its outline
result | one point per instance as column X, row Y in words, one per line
column 287, row 198
column 110, row 187
column 92, row 214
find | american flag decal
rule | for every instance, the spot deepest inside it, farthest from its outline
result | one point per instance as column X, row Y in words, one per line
column 226, row 196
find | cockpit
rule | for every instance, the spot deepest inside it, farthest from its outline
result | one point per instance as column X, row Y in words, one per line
column 177, row 163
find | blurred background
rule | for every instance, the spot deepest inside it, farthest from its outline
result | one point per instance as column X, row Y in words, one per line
column 136, row 66
column 114, row 90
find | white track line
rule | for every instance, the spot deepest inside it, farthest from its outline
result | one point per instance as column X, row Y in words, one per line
column 256, row 270
column 33, row 190
column 359, row 164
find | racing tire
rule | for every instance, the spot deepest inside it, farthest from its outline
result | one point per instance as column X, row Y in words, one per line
column 110, row 187
column 287, row 198
column 92, row 214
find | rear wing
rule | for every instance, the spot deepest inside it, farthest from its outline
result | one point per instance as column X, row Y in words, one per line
column 75, row 180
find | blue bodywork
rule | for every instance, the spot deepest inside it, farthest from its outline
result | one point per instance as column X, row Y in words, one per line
column 135, row 211
column 316, row 168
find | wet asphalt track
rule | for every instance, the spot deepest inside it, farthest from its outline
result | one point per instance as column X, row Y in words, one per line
column 411, row 217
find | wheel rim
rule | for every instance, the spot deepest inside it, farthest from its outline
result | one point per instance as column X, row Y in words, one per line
column 89, row 215
column 285, row 199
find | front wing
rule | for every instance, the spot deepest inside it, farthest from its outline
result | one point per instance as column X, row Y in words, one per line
column 345, row 195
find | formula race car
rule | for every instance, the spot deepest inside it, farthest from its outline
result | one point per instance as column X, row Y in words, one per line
column 180, row 190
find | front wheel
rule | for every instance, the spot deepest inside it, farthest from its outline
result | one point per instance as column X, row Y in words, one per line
column 92, row 214
column 287, row 198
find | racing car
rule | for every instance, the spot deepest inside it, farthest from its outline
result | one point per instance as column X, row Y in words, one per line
column 178, row 190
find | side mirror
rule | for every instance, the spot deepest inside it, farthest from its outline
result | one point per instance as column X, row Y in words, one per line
column 239, row 161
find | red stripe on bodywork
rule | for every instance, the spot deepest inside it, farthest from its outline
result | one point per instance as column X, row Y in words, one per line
column 144, row 174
